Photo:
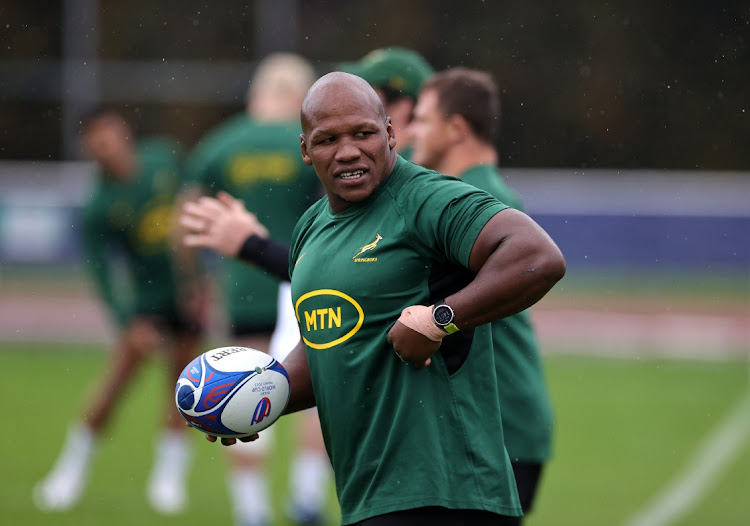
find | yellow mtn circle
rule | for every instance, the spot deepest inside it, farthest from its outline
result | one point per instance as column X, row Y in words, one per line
column 328, row 317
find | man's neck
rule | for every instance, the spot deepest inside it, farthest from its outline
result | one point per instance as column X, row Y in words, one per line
column 124, row 169
column 338, row 204
column 466, row 155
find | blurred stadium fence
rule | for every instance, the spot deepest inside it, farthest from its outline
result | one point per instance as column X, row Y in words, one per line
column 623, row 219
column 645, row 251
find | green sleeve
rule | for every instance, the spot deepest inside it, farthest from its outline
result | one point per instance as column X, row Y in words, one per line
column 447, row 219
column 199, row 165
column 99, row 264
column 179, row 158
column 492, row 183
column 182, row 172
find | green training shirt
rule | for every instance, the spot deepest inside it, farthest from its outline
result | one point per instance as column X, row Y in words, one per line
column 261, row 164
column 133, row 218
column 400, row 438
column 527, row 410
column 406, row 152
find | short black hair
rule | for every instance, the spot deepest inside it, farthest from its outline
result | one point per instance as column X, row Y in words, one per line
column 470, row 93
column 97, row 112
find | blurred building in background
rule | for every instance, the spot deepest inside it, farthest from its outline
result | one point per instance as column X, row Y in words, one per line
column 624, row 125
column 584, row 85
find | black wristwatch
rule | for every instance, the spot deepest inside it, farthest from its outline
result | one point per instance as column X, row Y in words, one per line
column 443, row 316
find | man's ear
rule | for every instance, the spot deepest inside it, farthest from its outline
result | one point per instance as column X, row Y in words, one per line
column 391, row 133
column 303, row 148
column 459, row 127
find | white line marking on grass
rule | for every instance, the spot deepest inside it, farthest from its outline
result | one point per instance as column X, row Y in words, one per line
column 700, row 475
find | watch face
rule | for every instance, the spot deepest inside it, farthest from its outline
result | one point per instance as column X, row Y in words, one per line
column 443, row 315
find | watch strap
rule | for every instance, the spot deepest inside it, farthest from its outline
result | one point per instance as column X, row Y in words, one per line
column 451, row 328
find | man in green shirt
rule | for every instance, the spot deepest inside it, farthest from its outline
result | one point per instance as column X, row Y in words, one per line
column 400, row 265
column 454, row 131
column 255, row 157
column 396, row 74
column 128, row 219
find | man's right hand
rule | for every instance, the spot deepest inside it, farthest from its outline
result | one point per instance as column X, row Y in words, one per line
column 231, row 441
column 228, row 441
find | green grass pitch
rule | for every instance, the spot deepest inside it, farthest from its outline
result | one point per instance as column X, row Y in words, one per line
column 625, row 429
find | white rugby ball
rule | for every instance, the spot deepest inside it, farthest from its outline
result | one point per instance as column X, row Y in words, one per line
column 232, row 391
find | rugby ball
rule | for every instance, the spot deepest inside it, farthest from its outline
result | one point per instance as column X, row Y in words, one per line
column 232, row 391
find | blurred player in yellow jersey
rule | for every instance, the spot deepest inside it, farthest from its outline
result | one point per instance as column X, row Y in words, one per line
column 255, row 157
column 128, row 217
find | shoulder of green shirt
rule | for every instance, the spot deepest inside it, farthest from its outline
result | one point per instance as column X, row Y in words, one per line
column 489, row 179
column 408, row 180
column 216, row 136
column 161, row 145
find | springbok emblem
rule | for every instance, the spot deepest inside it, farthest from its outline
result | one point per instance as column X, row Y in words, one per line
column 369, row 246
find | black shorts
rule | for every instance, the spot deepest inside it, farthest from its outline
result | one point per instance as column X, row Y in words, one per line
column 254, row 340
column 527, row 476
column 438, row 516
column 172, row 322
column 243, row 330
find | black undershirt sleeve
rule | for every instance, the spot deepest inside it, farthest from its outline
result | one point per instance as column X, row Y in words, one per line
column 272, row 256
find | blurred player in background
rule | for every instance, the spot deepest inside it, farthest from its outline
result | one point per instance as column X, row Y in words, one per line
column 127, row 222
column 454, row 131
column 396, row 74
column 255, row 157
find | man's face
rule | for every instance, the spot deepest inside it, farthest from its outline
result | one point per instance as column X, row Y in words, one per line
column 430, row 131
column 107, row 141
column 350, row 143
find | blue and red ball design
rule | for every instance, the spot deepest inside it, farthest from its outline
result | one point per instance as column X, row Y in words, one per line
column 204, row 392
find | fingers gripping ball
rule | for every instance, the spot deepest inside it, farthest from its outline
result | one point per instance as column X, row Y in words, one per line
column 232, row 391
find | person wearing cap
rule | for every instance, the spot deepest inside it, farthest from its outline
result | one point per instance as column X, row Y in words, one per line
column 397, row 75
column 125, row 235
column 255, row 156
column 454, row 132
